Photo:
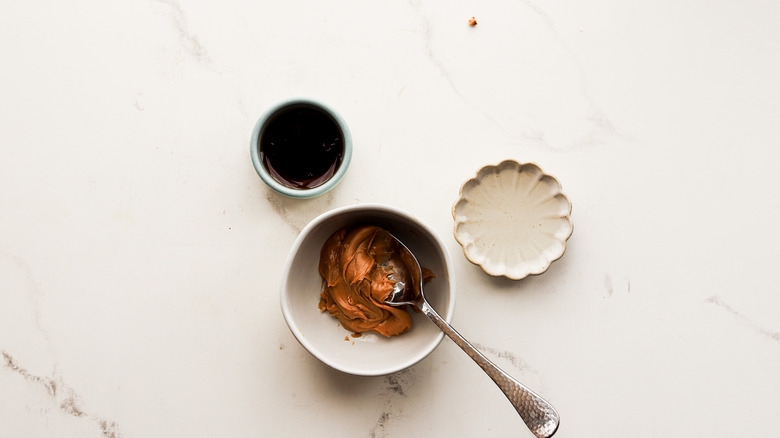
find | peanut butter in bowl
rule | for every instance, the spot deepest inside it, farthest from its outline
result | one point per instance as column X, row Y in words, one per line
column 356, row 266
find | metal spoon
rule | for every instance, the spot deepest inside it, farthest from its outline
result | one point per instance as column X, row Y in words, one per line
column 539, row 415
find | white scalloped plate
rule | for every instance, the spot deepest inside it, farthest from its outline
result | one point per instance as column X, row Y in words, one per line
column 512, row 220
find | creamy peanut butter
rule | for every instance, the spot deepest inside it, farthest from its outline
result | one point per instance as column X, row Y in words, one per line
column 356, row 285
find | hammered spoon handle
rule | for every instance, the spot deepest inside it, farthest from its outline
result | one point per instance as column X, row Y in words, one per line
column 537, row 413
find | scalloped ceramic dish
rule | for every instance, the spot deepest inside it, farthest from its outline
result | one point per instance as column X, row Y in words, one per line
column 512, row 220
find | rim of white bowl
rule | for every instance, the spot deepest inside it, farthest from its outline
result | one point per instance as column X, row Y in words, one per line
column 289, row 320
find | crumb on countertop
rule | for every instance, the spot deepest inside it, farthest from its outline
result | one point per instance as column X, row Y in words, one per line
column 472, row 21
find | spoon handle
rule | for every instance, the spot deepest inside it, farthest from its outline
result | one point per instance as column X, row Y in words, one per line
column 539, row 415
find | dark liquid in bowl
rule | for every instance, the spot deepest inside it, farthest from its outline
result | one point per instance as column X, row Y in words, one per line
column 302, row 147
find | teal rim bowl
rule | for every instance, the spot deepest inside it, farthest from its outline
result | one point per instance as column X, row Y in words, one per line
column 257, row 162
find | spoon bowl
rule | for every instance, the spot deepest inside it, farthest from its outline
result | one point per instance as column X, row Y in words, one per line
column 538, row 414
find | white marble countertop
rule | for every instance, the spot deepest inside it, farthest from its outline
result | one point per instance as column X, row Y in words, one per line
column 141, row 255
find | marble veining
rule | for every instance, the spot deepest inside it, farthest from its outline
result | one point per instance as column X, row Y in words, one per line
column 30, row 289
column 379, row 430
column 296, row 214
column 601, row 127
column 395, row 383
column 136, row 103
column 277, row 205
column 63, row 395
column 608, row 284
column 601, row 124
column 717, row 301
column 430, row 54
column 510, row 356
column 392, row 410
column 190, row 41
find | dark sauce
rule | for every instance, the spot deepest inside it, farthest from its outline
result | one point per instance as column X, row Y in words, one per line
column 302, row 147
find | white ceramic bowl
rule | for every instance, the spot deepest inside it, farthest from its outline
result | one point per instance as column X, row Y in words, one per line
column 323, row 336
column 512, row 220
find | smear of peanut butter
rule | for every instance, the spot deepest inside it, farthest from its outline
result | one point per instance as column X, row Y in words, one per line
column 356, row 282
